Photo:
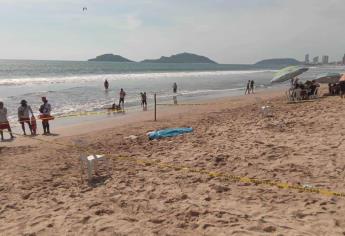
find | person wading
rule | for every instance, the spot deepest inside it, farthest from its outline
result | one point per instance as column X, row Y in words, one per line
column 122, row 99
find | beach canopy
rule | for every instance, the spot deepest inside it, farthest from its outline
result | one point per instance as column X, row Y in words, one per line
column 328, row 78
column 342, row 78
column 288, row 73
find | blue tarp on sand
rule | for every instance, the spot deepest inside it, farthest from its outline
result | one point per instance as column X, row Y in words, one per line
column 164, row 133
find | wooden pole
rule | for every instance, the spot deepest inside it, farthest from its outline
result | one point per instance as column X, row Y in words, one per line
column 155, row 98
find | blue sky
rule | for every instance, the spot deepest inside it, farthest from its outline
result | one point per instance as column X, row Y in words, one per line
column 228, row 31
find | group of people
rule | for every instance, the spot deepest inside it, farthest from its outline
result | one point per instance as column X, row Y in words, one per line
column 143, row 97
column 337, row 89
column 26, row 116
column 250, row 87
column 306, row 90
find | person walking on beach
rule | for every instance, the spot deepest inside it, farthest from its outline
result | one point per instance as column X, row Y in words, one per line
column 252, row 86
column 175, row 88
column 248, row 88
column 4, row 124
column 106, row 84
column 24, row 112
column 122, row 98
column 45, row 116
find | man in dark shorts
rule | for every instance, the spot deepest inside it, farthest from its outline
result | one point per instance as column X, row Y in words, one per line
column 122, row 98
column 248, row 88
column 144, row 101
column 252, row 86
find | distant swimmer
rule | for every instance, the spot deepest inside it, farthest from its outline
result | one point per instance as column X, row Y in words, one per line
column 122, row 98
column 106, row 84
column 45, row 116
column 24, row 112
column 175, row 88
column 4, row 124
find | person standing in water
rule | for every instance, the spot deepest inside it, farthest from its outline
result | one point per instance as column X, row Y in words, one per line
column 4, row 124
column 24, row 112
column 106, row 84
column 45, row 116
column 122, row 98
column 248, row 88
column 175, row 88
column 143, row 101
column 252, row 86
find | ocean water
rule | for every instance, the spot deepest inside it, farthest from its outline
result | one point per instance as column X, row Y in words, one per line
column 78, row 86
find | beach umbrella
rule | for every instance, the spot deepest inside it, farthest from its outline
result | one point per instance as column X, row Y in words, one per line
column 288, row 73
column 342, row 78
column 328, row 78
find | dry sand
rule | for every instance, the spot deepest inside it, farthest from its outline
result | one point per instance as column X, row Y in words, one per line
column 41, row 191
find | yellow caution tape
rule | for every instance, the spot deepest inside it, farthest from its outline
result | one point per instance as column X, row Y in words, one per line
column 234, row 178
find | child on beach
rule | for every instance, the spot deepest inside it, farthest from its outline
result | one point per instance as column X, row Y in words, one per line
column 4, row 124
column 45, row 116
column 24, row 112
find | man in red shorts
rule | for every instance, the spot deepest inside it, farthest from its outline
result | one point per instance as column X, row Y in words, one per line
column 4, row 124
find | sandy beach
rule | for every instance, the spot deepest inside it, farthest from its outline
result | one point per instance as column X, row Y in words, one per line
column 149, row 193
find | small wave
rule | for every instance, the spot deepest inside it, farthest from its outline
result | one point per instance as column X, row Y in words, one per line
column 114, row 77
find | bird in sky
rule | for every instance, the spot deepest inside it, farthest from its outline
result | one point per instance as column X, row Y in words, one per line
column 84, row 8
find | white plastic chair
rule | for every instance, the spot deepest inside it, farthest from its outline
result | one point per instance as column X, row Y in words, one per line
column 266, row 111
column 90, row 164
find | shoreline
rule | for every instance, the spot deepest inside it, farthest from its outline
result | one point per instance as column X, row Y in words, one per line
column 74, row 126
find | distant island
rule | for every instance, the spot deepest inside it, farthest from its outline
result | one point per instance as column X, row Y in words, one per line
column 194, row 58
column 278, row 62
column 182, row 58
column 110, row 57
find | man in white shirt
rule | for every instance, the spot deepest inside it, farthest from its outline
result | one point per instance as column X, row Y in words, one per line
column 24, row 112
column 4, row 124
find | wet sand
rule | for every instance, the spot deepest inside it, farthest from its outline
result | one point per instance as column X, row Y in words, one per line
column 302, row 144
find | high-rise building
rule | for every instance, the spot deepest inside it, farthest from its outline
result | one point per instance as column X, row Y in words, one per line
column 316, row 60
column 325, row 59
column 306, row 59
column 344, row 59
